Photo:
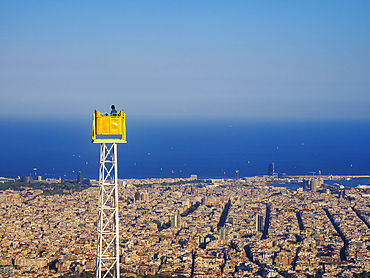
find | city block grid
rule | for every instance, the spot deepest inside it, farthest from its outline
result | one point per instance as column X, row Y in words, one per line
column 226, row 228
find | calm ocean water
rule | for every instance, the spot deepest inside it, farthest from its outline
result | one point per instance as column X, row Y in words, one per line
column 179, row 147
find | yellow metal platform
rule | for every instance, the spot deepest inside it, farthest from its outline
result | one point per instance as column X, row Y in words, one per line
column 108, row 128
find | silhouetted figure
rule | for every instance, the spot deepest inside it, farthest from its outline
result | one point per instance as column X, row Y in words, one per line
column 114, row 111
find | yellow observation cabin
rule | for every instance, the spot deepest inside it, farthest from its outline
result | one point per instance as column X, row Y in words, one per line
column 109, row 128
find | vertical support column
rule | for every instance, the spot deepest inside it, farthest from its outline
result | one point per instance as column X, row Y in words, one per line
column 117, row 270
column 107, row 253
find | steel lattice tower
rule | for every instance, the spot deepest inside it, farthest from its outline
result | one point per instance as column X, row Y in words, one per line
column 108, row 131
column 107, row 253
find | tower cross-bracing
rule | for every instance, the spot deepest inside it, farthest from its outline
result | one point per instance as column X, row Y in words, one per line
column 107, row 253
column 108, row 130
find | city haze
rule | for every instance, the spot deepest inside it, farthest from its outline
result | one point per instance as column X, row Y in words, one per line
column 249, row 59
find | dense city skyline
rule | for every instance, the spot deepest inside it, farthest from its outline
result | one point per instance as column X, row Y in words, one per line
column 190, row 227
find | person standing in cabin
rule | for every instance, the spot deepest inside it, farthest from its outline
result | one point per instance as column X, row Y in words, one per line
column 114, row 111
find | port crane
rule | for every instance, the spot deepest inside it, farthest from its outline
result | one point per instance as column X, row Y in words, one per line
column 313, row 173
column 108, row 130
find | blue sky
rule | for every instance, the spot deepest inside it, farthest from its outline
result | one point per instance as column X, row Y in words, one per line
column 292, row 59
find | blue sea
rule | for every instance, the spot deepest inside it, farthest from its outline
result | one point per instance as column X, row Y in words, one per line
column 210, row 147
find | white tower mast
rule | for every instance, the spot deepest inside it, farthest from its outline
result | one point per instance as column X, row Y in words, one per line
column 108, row 131
column 107, row 253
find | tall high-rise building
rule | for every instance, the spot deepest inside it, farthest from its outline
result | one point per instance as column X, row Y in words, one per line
column 259, row 223
column 137, row 196
column 176, row 220
column 223, row 233
column 271, row 169
column 79, row 177
column 237, row 174
column 144, row 196
column 313, row 185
